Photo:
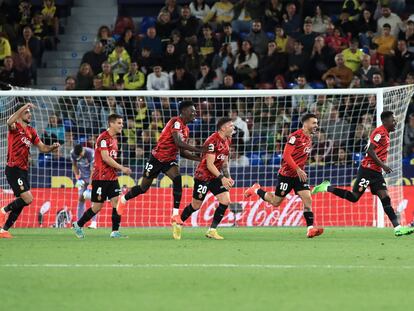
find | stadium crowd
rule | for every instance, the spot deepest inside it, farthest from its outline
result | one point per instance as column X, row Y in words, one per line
column 246, row 44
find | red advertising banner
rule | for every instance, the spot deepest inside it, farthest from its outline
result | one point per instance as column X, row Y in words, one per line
column 57, row 207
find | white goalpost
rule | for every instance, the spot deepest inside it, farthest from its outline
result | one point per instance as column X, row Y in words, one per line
column 263, row 119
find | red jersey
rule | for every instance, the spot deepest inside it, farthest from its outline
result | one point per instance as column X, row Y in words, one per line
column 101, row 170
column 166, row 150
column 19, row 141
column 218, row 146
column 296, row 153
column 380, row 138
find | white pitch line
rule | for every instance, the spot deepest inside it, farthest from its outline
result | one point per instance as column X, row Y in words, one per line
column 204, row 266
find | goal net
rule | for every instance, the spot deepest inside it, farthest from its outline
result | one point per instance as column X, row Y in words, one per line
column 263, row 120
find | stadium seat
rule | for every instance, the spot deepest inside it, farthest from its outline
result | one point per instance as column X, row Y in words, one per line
column 147, row 21
column 276, row 159
column 255, row 158
column 270, row 35
column 357, row 157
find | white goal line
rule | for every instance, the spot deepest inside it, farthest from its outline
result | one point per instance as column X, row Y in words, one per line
column 207, row 266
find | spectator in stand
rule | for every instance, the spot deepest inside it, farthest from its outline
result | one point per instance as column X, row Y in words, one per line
column 8, row 74
column 322, row 58
column 152, row 41
column 70, row 83
column 377, row 59
column 353, row 8
column 134, row 79
column 95, row 57
column 353, row 55
column 297, row 62
column 336, row 127
column 273, row 63
column 230, row 37
column 156, row 125
column 399, row 65
column 273, row 14
column 128, row 41
column 242, row 18
column 337, row 41
column 107, row 76
column 386, row 42
column 129, row 139
column 172, row 8
column 164, row 25
column 181, row 79
column 228, row 83
column 50, row 17
column 97, row 83
column 281, row 39
column 84, row 77
column 348, row 27
column 366, row 71
column 119, row 84
column 104, row 36
column 242, row 130
column 208, row 44
column 356, row 82
column 291, row 19
column 302, row 102
column 409, row 79
column 378, row 80
column 141, row 112
column 188, row 25
column 25, row 13
column 200, row 9
column 146, row 60
column 33, row 44
column 367, row 26
column 307, row 37
column 280, row 83
column 207, row 79
column 170, row 58
column 392, row 20
column 144, row 145
column 408, row 35
column 238, row 159
column 340, row 156
column 409, row 136
column 192, row 60
column 330, row 82
column 258, row 38
column 319, row 20
column 158, row 80
column 221, row 12
column 119, row 60
column 224, row 60
column 360, row 140
column 54, row 131
column 41, row 32
column 343, row 75
column 5, row 49
column 87, row 116
column 179, row 44
column 110, row 107
column 246, row 62
column 23, row 64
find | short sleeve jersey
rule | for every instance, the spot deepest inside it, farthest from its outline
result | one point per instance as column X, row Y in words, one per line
column 101, row 170
column 300, row 154
column 218, row 146
column 166, row 150
column 19, row 141
column 380, row 138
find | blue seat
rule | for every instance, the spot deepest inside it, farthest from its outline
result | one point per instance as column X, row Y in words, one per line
column 147, row 21
column 270, row 35
column 255, row 158
column 276, row 159
column 357, row 157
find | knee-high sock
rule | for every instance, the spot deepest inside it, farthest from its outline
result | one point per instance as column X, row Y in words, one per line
column 116, row 220
column 218, row 215
column 187, row 212
column 386, row 204
column 86, row 217
column 177, row 191
column 14, row 214
column 133, row 192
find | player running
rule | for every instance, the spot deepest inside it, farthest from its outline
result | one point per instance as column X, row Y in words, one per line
column 20, row 138
column 291, row 174
column 105, row 184
column 82, row 166
column 212, row 174
column 173, row 141
column 370, row 173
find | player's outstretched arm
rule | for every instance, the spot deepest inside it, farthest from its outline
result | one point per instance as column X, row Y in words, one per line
column 45, row 148
column 188, row 155
column 112, row 163
column 182, row 145
column 371, row 152
column 15, row 116
column 227, row 182
column 287, row 157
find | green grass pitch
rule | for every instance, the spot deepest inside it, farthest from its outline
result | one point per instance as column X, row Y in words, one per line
column 252, row 269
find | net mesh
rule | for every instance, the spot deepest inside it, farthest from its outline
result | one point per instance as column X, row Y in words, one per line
column 263, row 122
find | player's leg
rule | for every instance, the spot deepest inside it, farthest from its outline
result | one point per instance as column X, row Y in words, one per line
column 269, row 197
column 81, row 203
column 174, row 174
column 306, row 197
column 223, row 196
column 116, row 220
column 194, row 206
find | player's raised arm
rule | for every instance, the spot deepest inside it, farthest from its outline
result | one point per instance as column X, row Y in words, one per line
column 45, row 148
column 15, row 116
column 112, row 163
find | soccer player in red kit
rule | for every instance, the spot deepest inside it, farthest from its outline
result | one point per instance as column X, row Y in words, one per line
column 212, row 174
column 173, row 141
column 105, row 184
column 291, row 173
column 20, row 138
column 370, row 173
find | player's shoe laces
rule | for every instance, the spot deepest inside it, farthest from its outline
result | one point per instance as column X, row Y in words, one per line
column 213, row 234
column 93, row 225
column 121, row 205
column 404, row 231
column 78, row 230
column 323, row 187
column 313, row 232
column 252, row 190
column 117, row 235
column 176, row 226
column 5, row 235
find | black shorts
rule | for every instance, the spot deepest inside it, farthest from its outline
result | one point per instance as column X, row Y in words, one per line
column 286, row 184
column 18, row 180
column 367, row 177
column 103, row 190
column 202, row 187
column 153, row 167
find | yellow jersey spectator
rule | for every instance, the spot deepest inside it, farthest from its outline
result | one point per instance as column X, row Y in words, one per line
column 134, row 79
column 222, row 12
column 353, row 56
column 5, row 49
column 119, row 59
